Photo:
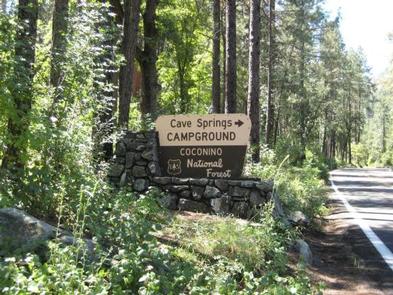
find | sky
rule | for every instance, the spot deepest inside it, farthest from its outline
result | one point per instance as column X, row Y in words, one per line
column 366, row 24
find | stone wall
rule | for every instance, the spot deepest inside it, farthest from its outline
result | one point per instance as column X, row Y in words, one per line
column 136, row 165
column 135, row 162
column 223, row 196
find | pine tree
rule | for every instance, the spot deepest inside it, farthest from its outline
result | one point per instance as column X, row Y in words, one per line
column 216, row 57
column 230, row 55
column 130, row 31
column 269, row 131
column 148, row 60
column 19, row 121
column 253, row 106
column 59, row 42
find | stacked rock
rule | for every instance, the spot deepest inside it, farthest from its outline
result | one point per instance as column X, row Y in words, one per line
column 135, row 161
column 222, row 196
column 135, row 165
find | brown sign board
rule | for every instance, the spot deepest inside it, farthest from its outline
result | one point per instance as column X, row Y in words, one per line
column 199, row 146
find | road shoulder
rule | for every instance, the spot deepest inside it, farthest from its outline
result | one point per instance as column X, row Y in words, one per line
column 344, row 259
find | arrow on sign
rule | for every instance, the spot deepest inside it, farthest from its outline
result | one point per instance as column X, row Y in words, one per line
column 239, row 123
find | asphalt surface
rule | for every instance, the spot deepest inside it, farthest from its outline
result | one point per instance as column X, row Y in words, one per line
column 367, row 196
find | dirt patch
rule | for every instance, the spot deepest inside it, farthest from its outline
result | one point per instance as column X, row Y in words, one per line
column 344, row 259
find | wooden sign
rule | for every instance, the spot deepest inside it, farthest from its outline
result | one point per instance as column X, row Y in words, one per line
column 198, row 146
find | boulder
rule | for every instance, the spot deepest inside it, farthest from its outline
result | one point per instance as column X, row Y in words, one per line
column 221, row 205
column 119, row 160
column 236, row 191
column 21, row 232
column 139, row 171
column 193, row 206
column 211, row 192
column 162, row 180
column 197, row 192
column 234, row 182
column 199, row 181
column 88, row 247
column 169, row 201
column 298, row 218
column 265, row 186
column 176, row 180
column 278, row 211
column 186, row 194
column 248, row 183
column 140, row 135
column 130, row 157
column 123, row 179
column 148, row 155
column 115, row 169
column 222, row 184
column 176, row 188
column 131, row 144
column 140, row 184
column 304, row 251
column 153, row 168
column 140, row 147
column 120, row 149
column 256, row 199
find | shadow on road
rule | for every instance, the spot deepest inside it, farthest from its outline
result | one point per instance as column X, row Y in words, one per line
column 362, row 175
column 345, row 259
column 362, row 183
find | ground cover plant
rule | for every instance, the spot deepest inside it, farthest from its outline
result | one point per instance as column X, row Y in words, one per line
column 203, row 255
column 217, row 256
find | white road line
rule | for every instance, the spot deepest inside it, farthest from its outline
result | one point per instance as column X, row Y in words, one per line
column 384, row 251
column 359, row 188
column 373, row 210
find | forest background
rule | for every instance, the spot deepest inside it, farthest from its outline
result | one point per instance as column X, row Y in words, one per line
column 75, row 74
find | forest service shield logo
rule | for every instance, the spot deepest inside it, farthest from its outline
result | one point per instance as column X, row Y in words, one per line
column 174, row 166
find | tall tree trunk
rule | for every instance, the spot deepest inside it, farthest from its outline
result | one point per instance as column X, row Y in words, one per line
column 224, row 58
column 270, row 79
column 183, row 88
column 216, row 57
column 4, row 6
column 230, row 48
column 276, row 126
column 59, row 43
column 383, row 142
column 325, row 137
column 253, row 106
column 130, row 31
column 302, row 105
column 148, row 59
column 18, row 122
column 349, row 128
column 104, row 119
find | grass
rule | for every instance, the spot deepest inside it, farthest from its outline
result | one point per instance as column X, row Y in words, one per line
column 144, row 249
column 254, row 245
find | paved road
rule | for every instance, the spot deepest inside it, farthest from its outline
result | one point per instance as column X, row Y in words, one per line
column 368, row 198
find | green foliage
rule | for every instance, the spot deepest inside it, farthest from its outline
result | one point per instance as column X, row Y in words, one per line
column 245, row 258
column 299, row 188
column 321, row 94
column 258, row 247
column 184, row 64
column 378, row 135
column 7, row 33
column 360, row 155
column 137, row 263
